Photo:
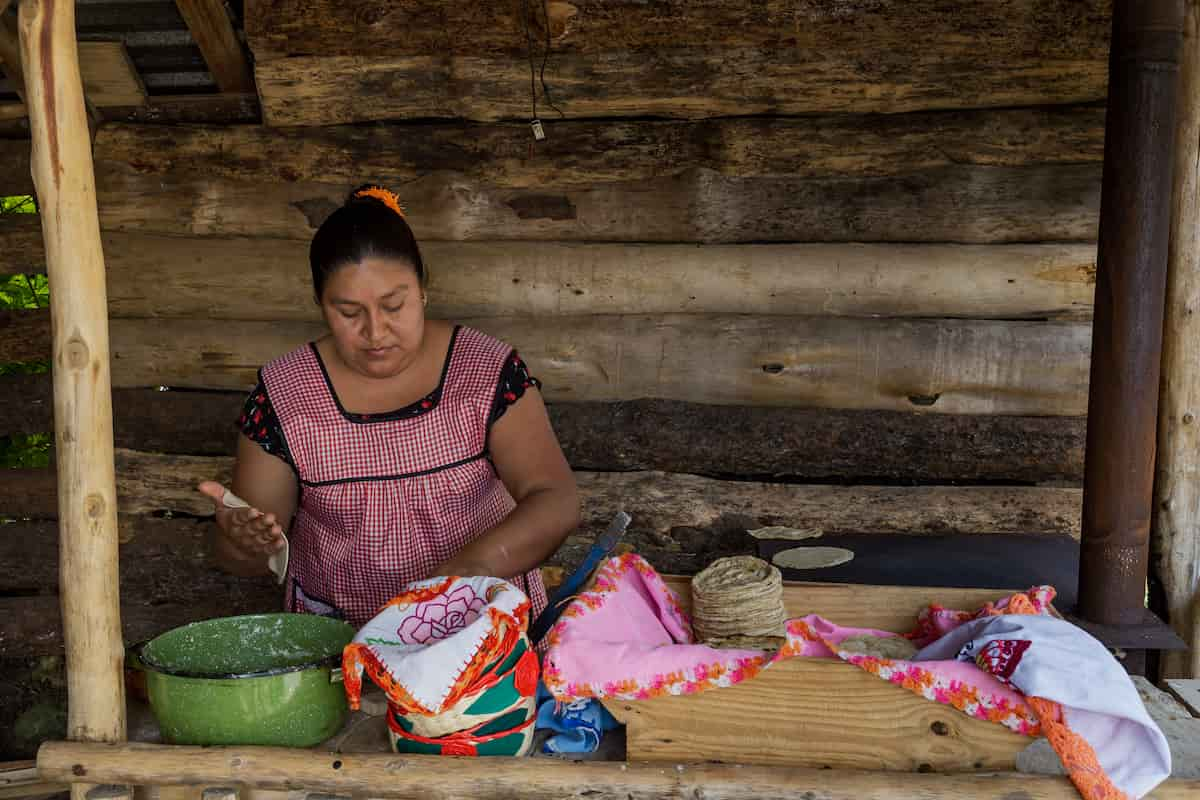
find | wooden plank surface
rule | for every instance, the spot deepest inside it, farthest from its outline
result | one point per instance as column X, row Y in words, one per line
column 815, row 713
column 671, row 436
column 109, row 77
column 213, row 32
column 944, row 366
column 668, row 508
column 582, row 153
column 957, row 203
column 168, row 276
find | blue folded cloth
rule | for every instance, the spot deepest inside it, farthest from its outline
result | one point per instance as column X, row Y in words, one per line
column 577, row 726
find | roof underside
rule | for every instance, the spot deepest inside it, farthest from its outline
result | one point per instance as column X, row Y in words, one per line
column 156, row 38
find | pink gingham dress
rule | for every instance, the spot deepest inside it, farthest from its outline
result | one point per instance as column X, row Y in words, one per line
column 384, row 502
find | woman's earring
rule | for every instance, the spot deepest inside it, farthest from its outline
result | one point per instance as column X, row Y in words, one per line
column 424, row 299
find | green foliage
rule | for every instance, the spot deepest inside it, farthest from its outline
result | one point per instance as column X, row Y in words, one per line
column 19, row 292
column 18, row 204
column 25, row 451
column 24, row 291
column 25, row 368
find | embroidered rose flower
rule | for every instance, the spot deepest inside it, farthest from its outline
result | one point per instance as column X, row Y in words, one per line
column 440, row 617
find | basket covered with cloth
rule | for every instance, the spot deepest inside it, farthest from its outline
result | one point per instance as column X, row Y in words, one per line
column 454, row 659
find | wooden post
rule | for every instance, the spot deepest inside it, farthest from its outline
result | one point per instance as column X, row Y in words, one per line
column 1118, row 480
column 1176, row 527
column 87, row 507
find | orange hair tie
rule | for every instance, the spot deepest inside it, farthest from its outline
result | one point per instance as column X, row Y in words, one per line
column 389, row 199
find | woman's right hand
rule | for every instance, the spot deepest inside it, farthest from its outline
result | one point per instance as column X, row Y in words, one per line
column 248, row 530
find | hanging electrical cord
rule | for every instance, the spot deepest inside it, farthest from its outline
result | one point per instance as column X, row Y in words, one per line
column 546, row 57
column 536, row 73
column 525, row 11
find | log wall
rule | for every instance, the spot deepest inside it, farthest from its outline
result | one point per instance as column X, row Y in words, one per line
column 821, row 264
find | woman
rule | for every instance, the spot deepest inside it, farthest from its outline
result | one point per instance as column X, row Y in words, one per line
column 395, row 448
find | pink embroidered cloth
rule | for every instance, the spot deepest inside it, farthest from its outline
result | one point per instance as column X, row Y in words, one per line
column 628, row 638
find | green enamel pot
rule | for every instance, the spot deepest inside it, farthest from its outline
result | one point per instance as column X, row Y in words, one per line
column 261, row 679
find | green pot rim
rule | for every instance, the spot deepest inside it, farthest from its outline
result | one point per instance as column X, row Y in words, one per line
column 147, row 664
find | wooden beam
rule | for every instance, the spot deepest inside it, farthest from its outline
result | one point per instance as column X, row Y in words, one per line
column 672, row 436
column 1176, row 525
column 109, row 77
column 163, row 561
column 32, row 626
column 960, row 203
column 935, row 178
column 944, row 366
column 384, row 775
column 692, row 83
column 87, row 501
column 586, row 152
column 151, row 275
column 157, row 483
column 432, row 60
column 213, row 31
column 922, row 31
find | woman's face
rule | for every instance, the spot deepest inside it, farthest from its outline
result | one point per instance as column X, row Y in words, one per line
column 375, row 312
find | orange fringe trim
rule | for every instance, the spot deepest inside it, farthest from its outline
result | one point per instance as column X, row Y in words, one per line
column 388, row 198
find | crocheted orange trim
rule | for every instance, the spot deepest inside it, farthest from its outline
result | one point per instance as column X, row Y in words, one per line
column 388, row 198
column 1076, row 754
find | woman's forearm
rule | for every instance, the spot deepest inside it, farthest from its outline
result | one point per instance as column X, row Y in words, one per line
column 524, row 540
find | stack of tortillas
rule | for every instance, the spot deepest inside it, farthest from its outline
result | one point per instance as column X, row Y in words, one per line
column 738, row 602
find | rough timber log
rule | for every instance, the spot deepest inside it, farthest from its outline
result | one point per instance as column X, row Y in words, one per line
column 946, row 366
column 1175, row 530
column 277, row 28
column 168, row 276
column 673, row 436
column 157, row 483
column 1010, row 175
column 384, row 775
column 584, row 152
column 87, row 501
column 957, row 203
column 677, row 59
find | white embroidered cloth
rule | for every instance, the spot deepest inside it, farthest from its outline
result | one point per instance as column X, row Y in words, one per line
column 430, row 633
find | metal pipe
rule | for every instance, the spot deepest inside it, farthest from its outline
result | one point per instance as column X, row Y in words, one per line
column 1130, row 291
